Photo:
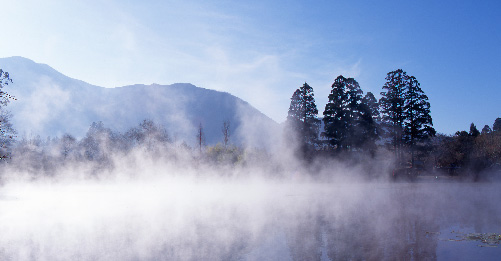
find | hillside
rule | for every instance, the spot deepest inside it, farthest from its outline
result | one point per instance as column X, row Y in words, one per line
column 51, row 104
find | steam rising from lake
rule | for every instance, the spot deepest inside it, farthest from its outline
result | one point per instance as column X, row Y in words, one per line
column 166, row 213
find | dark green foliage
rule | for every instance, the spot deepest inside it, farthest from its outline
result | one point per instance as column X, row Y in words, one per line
column 302, row 117
column 370, row 101
column 473, row 130
column 442, row 153
column 335, row 116
column 418, row 122
column 355, row 112
column 486, row 129
column 405, row 112
column 458, row 150
column 350, row 119
column 392, row 107
column 370, row 119
column 497, row 125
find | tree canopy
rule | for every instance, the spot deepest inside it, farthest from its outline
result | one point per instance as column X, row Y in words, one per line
column 405, row 111
column 302, row 117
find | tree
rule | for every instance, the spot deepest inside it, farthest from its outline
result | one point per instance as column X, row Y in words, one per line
column 473, row 130
column 418, row 125
column 96, row 143
column 357, row 115
column 147, row 133
column 153, row 134
column 497, row 125
column 302, row 117
column 373, row 106
column 6, row 131
column 348, row 117
column 392, row 108
column 200, row 137
column 226, row 133
column 370, row 119
column 67, row 145
column 335, row 116
column 488, row 147
column 405, row 112
column 486, row 129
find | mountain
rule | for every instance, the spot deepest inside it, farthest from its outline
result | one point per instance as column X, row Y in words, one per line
column 52, row 104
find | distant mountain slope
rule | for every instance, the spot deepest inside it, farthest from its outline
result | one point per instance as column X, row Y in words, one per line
column 51, row 104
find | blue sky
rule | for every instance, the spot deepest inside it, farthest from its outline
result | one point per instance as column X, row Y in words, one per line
column 261, row 51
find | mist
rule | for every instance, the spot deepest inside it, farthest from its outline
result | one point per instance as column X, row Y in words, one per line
column 171, row 202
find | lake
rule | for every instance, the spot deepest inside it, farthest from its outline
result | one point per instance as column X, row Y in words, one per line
column 175, row 218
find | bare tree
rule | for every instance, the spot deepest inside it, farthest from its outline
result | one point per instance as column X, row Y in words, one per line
column 226, row 132
column 200, row 137
column 6, row 130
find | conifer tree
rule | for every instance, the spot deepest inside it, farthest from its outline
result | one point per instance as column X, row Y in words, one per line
column 405, row 111
column 486, row 129
column 303, row 116
column 348, row 119
column 335, row 114
column 370, row 120
column 355, row 112
column 497, row 125
column 473, row 130
column 200, row 137
column 418, row 125
column 373, row 106
column 392, row 107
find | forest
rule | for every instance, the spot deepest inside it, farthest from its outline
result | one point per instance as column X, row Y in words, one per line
column 400, row 123
column 355, row 128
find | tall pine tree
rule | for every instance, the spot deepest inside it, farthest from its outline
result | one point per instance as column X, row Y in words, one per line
column 355, row 112
column 336, row 119
column 418, row 123
column 302, row 117
column 486, row 129
column 405, row 112
column 373, row 106
column 347, row 119
column 369, row 123
column 497, row 125
column 392, row 108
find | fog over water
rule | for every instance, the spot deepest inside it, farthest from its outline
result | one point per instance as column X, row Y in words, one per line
column 179, row 211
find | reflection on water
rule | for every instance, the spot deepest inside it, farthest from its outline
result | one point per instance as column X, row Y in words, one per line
column 249, row 221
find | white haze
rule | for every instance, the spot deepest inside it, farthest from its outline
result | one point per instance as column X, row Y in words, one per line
column 171, row 205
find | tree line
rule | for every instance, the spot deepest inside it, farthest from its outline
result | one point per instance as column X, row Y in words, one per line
column 470, row 152
column 354, row 124
column 399, row 122
column 102, row 148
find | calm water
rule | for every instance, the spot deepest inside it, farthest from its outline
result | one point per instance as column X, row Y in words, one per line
column 186, row 219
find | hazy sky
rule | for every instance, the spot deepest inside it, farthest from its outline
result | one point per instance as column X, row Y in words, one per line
column 261, row 51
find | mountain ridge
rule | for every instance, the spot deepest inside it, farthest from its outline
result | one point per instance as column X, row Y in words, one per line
column 50, row 103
